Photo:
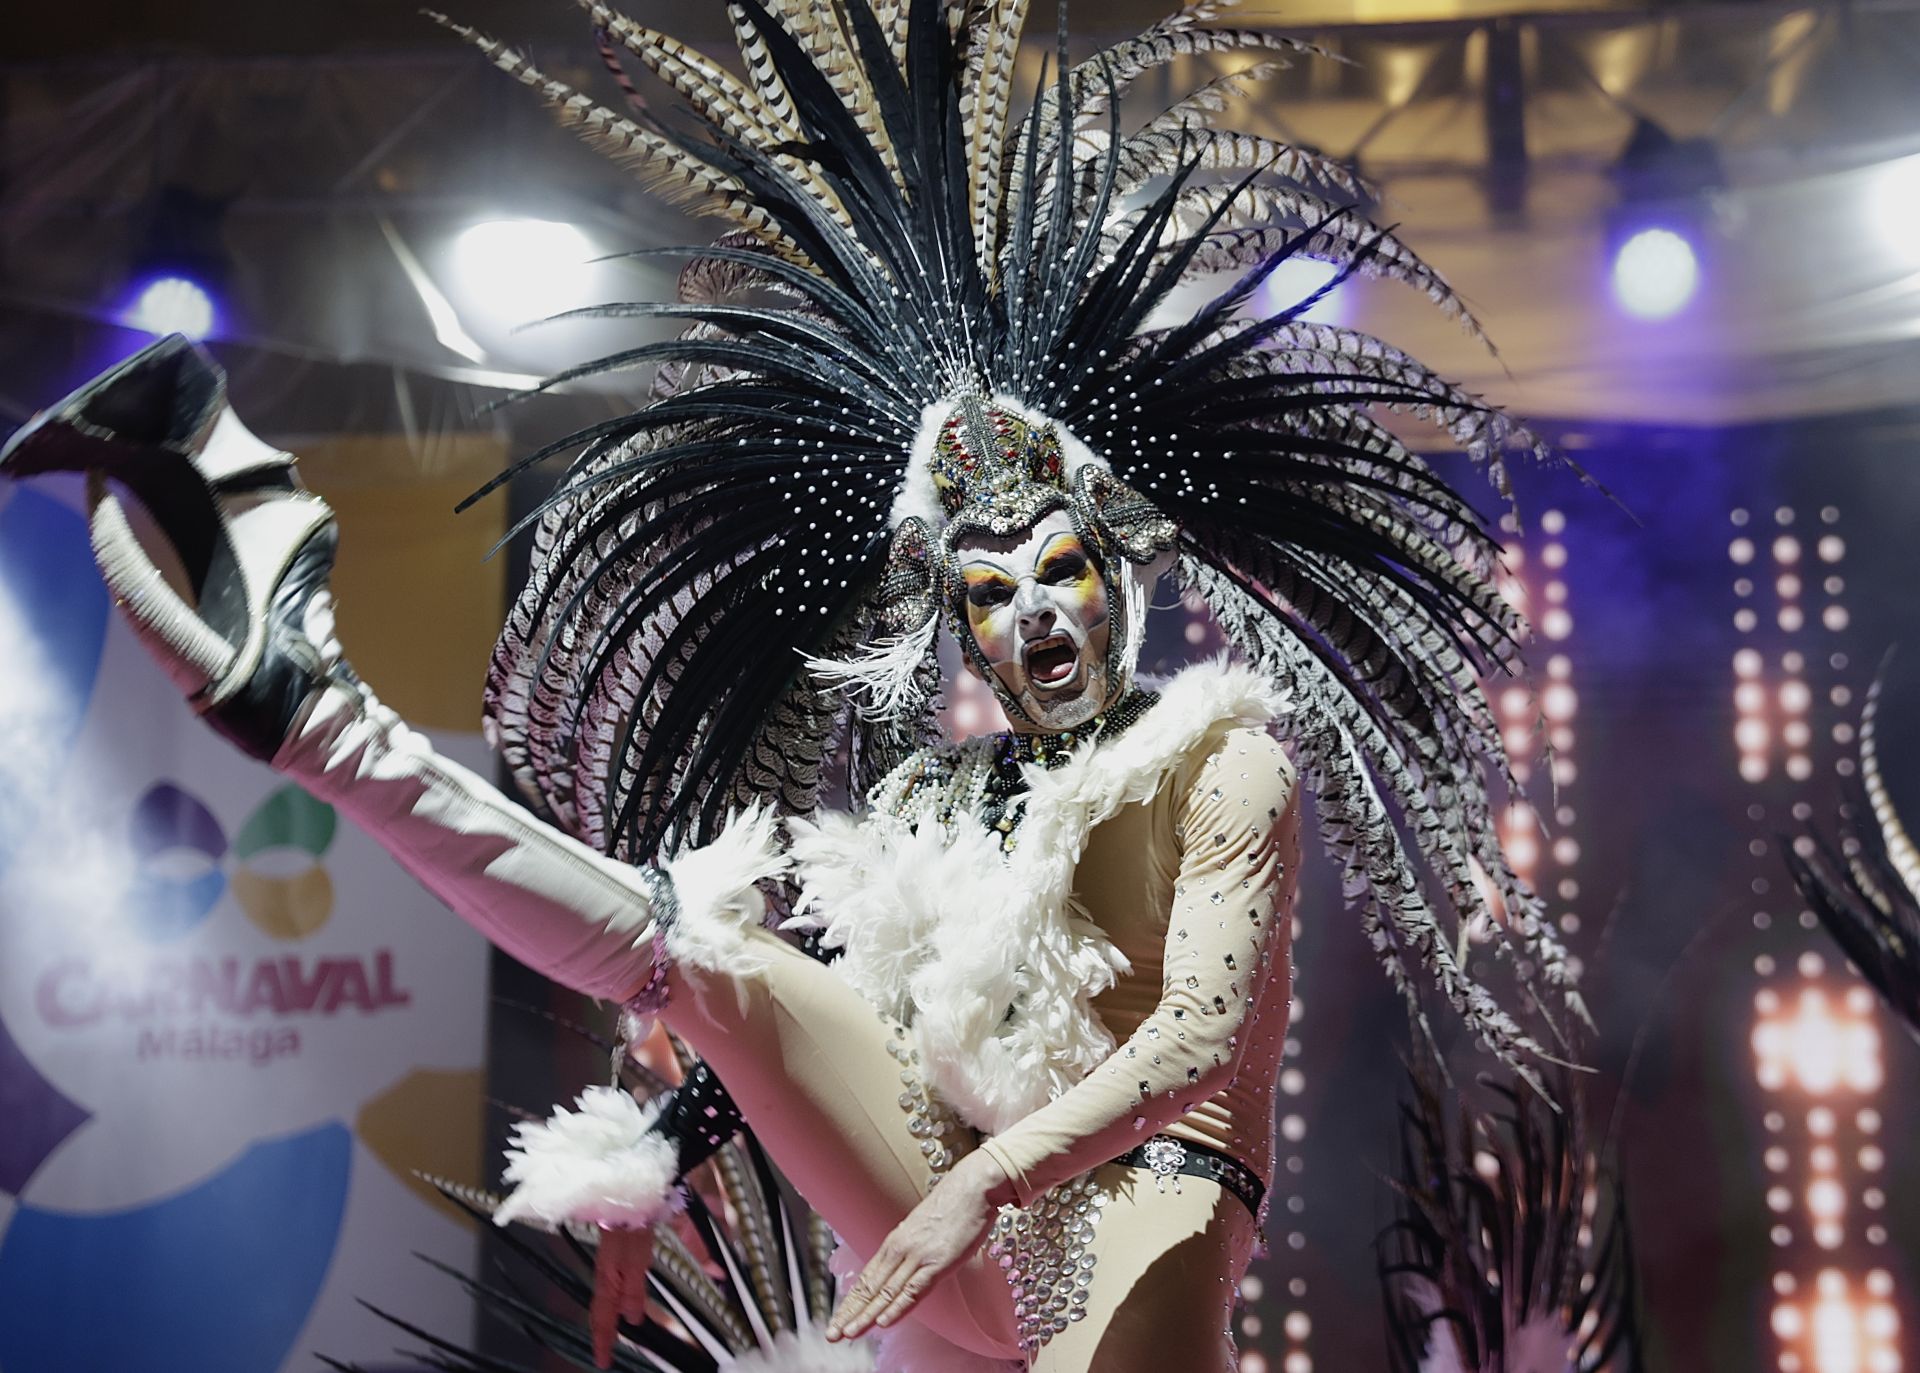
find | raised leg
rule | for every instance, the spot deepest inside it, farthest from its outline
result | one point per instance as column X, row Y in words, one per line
column 832, row 1089
column 247, row 631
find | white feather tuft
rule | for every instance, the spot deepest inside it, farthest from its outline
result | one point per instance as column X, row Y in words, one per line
column 595, row 1166
column 717, row 887
column 803, row 1351
column 881, row 677
column 1136, row 598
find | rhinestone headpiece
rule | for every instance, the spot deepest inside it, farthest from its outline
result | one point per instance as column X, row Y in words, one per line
column 994, row 470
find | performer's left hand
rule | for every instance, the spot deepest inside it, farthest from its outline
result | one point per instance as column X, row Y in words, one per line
column 936, row 1236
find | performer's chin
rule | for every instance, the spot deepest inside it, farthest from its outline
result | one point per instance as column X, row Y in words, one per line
column 1070, row 703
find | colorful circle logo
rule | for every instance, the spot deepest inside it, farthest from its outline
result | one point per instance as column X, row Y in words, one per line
column 278, row 879
column 180, row 873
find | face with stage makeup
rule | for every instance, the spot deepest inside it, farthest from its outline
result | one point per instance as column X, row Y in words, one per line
column 1035, row 605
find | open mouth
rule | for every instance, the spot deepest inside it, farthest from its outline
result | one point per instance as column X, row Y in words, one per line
column 1052, row 661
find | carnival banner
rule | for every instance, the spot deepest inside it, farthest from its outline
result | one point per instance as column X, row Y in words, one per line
column 231, row 1030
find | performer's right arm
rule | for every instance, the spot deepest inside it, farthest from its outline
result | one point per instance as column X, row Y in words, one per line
column 1227, row 941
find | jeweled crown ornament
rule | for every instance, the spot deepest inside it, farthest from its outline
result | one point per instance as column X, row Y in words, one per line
column 994, row 470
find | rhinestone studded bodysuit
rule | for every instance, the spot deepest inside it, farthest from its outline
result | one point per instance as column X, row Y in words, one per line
column 1191, row 886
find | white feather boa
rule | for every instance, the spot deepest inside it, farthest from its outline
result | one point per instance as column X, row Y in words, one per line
column 946, row 935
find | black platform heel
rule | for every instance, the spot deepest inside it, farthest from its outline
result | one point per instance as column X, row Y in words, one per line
column 254, row 547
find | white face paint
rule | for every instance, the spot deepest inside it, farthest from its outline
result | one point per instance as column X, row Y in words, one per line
column 1037, row 607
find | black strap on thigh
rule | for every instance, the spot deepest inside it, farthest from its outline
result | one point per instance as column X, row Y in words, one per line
column 1166, row 1158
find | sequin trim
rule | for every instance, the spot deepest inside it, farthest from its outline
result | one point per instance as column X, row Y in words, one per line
column 929, row 1119
column 1043, row 1251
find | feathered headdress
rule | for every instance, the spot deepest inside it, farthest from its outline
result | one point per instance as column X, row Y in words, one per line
column 924, row 305
column 1867, row 893
column 1511, row 1252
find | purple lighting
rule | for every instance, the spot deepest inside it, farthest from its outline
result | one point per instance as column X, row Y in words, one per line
column 1294, row 281
column 172, row 305
column 1655, row 273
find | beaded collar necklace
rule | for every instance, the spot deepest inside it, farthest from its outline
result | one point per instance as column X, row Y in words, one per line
column 1013, row 751
column 982, row 777
column 1010, row 752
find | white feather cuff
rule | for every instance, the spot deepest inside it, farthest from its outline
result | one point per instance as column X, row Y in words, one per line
column 600, row 1165
column 717, row 888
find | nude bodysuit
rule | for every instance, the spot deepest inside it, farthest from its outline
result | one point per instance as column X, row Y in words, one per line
column 1192, row 885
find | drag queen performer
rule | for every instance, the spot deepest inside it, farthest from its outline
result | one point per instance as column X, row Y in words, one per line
column 934, row 377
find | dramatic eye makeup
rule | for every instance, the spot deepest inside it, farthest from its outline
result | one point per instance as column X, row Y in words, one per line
column 986, row 587
column 1065, row 561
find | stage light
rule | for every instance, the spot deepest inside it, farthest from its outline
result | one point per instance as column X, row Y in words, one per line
column 1558, row 702
column 1817, row 1049
column 1836, row 1333
column 1298, row 278
column 1894, row 207
column 520, row 270
column 172, row 305
column 1655, row 273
